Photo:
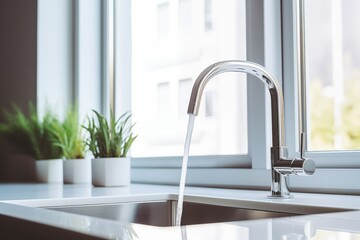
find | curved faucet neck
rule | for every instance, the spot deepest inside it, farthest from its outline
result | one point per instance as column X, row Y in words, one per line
column 276, row 97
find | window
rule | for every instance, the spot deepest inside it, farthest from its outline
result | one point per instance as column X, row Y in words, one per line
column 164, row 69
column 210, row 104
column 208, row 15
column 184, row 14
column 332, row 74
column 163, row 97
column 185, row 86
column 163, row 19
column 324, row 62
column 156, row 64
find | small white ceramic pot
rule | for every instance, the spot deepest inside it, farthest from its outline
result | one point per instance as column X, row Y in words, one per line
column 49, row 171
column 111, row 172
column 77, row 171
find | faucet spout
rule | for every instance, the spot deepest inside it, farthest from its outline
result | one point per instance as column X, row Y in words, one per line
column 280, row 164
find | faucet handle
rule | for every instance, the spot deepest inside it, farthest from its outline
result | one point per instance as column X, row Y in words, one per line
column 303, row 166
column 300, row 166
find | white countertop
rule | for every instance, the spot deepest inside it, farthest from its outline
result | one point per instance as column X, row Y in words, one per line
column 21, row 201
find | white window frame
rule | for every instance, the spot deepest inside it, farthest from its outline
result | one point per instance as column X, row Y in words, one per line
column 337, row 171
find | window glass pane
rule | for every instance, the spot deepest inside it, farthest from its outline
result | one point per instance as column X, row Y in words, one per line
column 333, row 74
column 164, row 69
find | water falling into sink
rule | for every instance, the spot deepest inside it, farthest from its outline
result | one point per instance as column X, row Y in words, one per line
column 184, row 168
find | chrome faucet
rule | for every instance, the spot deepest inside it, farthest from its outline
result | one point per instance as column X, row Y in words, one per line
column 281, row 165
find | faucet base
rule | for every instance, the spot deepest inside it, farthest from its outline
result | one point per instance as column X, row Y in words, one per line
column 280, row 196
column 279, row 186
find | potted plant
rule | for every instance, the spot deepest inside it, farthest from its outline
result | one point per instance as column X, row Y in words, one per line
column 109, row 142
column 33, row 136
column 68, row 136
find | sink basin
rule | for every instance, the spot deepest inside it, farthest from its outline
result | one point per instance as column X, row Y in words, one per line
column 163, row 213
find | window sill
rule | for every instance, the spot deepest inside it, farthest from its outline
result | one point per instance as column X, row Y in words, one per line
column 328, row 180
column 333, row 181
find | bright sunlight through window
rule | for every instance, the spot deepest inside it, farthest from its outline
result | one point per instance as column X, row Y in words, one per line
column 172, row 42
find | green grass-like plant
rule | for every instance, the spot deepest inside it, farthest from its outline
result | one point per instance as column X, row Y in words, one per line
column 31, row 135
column 111, row 138
column 68, row 136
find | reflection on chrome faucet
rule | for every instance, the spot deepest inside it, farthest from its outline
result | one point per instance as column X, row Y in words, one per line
column 281, row 165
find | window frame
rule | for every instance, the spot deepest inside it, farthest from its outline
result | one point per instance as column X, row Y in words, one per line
column 279, row 54
column 259, row 138
column 255, row 87
column 91, row 86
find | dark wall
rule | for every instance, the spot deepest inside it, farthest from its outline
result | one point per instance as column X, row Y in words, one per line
column 18, row 31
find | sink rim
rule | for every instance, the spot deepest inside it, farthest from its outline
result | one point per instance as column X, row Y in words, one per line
column 276, row 207
column 53, row 219
column 147, row 212
column 34, row 208
column 264, row 204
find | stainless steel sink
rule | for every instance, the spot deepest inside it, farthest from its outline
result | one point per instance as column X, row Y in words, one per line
column 163, row 213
